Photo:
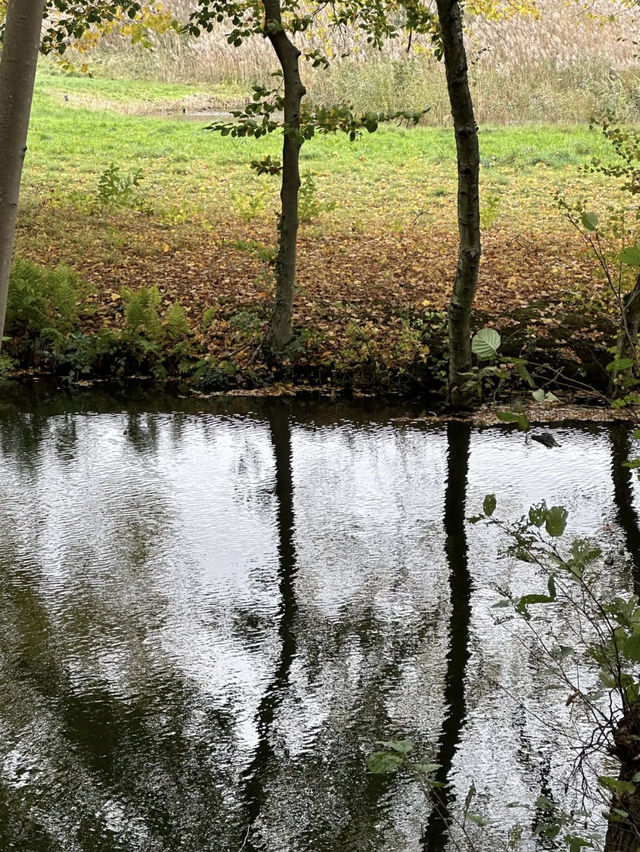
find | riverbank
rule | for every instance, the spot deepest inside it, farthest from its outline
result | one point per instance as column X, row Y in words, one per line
column 171, row 237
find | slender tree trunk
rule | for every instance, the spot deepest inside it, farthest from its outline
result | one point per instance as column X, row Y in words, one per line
column 281, row 332
column 18, row 62
column 623, row 833
column 627, row 343
column 468, row 155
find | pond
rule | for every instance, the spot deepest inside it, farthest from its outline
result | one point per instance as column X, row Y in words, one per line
column 213, row 611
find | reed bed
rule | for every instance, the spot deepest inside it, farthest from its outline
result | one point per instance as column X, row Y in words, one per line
column 565, row 64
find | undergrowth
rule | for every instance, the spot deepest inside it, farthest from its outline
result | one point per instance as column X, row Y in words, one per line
column 44, row 330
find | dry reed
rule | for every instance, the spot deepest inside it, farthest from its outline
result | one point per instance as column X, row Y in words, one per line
column 564, row 65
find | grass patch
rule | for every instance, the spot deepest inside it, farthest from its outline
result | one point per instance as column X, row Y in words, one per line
column 387, row 176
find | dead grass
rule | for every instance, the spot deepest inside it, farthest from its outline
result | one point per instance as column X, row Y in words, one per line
column 523, row 69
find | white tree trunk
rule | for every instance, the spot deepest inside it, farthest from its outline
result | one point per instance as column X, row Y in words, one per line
column 18, row 62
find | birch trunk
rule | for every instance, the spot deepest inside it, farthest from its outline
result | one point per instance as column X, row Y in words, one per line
column 281, row 331
column 627, row 343
column 468, row 156
column 18, row 62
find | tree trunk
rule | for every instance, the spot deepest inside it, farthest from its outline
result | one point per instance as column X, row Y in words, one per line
column 627, row 343
column 623, row 834
column 281, row 332
column 18, row 62
column 468, row 156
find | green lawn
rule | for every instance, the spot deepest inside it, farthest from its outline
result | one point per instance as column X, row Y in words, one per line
column 394, row 177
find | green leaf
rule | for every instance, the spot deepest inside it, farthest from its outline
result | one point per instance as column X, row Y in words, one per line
column 619, row 788
column 556, row 521
column 485, row 344
column 577, row 843
column 636, row 433
column 619, row 364
column 538, row 514
column 561, row 652
column 538, row 395
column 508, row 416
column 478, row 819
column 631, row 648
column 527, row 600
column 630, row 256
column 511, row 417
column 521, row 368
column 489, row 505
column 381, row 762
column 427, row 768
column 399, row 746
column 469, row 797
column 589, row 221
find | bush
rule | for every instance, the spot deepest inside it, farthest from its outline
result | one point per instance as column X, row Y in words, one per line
column 42, row 300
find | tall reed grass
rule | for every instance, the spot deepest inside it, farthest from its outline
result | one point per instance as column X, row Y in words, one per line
column 563, row 65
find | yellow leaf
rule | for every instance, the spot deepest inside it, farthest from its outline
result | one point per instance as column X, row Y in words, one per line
column 115, row 297
column 165, row 247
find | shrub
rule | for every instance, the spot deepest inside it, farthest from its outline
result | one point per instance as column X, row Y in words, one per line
column 42, row 299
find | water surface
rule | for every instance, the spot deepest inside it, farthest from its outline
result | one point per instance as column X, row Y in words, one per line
column 210, row 616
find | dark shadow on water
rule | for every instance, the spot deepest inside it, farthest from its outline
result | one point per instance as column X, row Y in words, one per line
column 254, row 775
column 436, row 833
column 623, row 496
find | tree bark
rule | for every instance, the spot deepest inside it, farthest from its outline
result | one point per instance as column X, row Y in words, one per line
column 468, row 156
column 623, row 834
column 627, row 343
column 18, row 62
column 281, row 331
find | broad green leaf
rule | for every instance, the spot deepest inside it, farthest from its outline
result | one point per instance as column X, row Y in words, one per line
column 615, row 785
column 556, row 521
column 538, row 514
column 577, row 843
column 511, row 417
column 489, row 505
column 381, row 762
column 485, row 344
column 538, row 395
column 630, row 256
column 619, row 364
column 631, row 648
column 633, row 464
column 636, row 433
column 589, row 221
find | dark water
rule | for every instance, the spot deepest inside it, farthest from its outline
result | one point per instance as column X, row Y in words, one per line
column 209, row 616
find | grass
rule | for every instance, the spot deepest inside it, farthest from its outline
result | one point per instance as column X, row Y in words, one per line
column 201, row 226
column 393, row 174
